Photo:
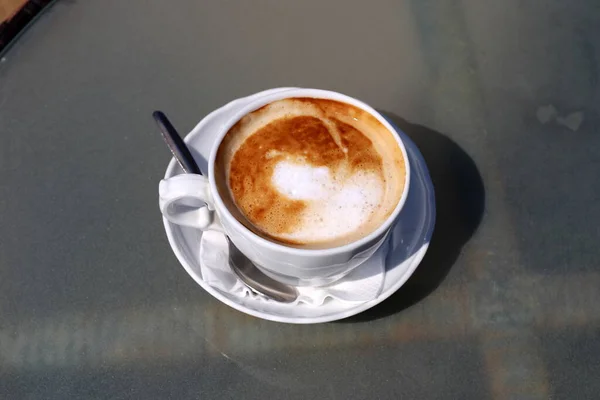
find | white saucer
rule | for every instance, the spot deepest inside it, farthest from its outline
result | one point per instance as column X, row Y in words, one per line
column 408, row 241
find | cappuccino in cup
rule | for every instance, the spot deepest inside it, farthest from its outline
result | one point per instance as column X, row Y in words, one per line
column 310, row 173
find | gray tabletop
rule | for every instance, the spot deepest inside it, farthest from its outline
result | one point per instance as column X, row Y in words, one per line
column 501, row 97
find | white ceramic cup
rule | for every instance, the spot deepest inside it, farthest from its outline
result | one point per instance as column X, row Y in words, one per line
column 193, row 200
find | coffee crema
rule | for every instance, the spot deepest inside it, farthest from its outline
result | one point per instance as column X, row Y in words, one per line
column 310, row 173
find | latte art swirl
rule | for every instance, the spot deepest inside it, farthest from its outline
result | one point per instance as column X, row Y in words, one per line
column 311, row 172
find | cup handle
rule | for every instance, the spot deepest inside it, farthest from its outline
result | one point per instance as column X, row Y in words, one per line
column 186, row 200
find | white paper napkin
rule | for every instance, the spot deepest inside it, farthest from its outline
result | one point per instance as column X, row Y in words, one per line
column 361, row 285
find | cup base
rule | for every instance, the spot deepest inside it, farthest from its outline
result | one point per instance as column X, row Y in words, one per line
column 309, row 282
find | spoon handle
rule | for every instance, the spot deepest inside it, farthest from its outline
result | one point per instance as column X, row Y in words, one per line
column 176, row 144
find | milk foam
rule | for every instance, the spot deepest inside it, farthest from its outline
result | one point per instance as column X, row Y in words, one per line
column 336, row 207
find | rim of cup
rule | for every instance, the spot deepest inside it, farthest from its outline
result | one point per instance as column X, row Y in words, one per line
column 312, row 93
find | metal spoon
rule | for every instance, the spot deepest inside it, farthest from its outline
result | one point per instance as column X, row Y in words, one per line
column 248, row 273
